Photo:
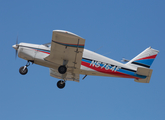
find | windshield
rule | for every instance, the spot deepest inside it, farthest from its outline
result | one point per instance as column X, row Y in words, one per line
column 47, row 44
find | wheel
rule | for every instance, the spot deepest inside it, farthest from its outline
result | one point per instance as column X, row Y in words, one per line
column 60, row 84
column 62, row 69
column 23, row 70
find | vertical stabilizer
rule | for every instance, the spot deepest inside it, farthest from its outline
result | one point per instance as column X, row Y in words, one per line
column 144, row 59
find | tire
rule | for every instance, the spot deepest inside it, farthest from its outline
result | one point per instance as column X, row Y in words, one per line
column 23, row 71
column 62, row 69
column 60, row 84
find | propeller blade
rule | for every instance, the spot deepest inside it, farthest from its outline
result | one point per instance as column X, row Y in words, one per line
column 17, row 40
column 17, row 46
column 16, row 53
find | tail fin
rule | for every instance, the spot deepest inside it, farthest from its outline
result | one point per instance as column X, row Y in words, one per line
column 144, row 59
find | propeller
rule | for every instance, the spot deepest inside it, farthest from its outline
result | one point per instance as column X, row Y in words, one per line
column 16, row 47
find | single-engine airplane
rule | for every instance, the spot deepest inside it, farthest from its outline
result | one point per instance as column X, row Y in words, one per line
column 67, row 59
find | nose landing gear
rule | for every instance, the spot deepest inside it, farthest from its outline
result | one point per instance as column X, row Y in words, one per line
column 23, row 70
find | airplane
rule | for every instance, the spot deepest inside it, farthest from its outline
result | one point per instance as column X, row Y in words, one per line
column 67, row 58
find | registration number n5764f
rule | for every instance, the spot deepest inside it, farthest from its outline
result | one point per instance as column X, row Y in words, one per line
column 102, row 65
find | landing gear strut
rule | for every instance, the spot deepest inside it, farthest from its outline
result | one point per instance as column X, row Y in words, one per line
column 23, row 70
column 61, row 84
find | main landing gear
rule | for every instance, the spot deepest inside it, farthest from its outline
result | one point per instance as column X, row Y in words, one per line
column 62, row 69
column 23, row 70
column 61, row 84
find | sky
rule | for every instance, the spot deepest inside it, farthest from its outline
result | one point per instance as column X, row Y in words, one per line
column 123, row 28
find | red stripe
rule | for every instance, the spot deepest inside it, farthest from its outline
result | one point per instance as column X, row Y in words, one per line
column 103, row 70
column 149, row 57
column 41, row 51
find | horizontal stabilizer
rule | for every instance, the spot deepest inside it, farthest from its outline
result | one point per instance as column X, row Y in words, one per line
column 145, row 72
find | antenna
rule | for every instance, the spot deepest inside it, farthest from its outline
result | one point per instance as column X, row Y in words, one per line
column 106, row 53
column 98, row 49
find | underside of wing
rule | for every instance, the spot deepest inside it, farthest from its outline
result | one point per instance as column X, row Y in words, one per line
column 66, row 76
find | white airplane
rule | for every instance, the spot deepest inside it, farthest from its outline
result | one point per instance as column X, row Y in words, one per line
column 67, row 59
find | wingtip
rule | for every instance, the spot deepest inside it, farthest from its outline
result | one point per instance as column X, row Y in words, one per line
column 66, row 32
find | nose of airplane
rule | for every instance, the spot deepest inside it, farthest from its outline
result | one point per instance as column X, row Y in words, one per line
column 15, row 47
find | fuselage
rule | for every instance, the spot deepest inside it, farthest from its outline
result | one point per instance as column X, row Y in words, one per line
column 92, row 63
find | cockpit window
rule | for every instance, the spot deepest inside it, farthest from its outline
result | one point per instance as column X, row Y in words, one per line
column 47, row 44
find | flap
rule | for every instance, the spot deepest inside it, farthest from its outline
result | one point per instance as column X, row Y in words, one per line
column 66, row 49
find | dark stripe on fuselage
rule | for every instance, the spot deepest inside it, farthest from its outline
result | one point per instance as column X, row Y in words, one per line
column 136, row 63
column 128, row 69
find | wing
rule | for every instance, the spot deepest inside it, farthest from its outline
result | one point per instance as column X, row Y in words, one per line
column 66, row 49
column 66, row 76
